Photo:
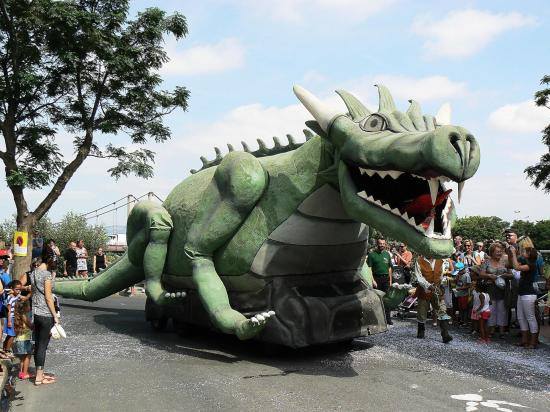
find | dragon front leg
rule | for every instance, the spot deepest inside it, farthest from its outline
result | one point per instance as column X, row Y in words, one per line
column 155, row 231
column 236, row 187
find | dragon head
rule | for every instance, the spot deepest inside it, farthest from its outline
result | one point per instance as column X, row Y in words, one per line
column 393, row 167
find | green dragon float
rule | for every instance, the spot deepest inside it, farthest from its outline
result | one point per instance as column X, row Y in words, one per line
column 269, row 244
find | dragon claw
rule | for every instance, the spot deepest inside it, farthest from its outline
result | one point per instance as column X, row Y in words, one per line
column 175, row 295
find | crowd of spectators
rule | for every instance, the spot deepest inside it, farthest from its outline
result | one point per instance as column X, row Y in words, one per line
column 490, row 288
column 29, row 308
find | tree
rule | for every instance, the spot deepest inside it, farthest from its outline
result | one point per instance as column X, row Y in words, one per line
column 523, row 227
column 480, row 228
column 84, row 68
column 74, row 227
column 540, row 173
column 541, row 235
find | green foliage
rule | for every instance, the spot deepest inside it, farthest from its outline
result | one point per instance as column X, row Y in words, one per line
column 78, row 70
column 71, row 228
column 541, row 235
column 540, row 173
column 480, row 228
column 74, row 227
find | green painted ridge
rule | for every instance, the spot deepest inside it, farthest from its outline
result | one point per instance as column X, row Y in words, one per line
column 263, row 150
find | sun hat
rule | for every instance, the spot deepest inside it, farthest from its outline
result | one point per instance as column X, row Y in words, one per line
column 458, row 267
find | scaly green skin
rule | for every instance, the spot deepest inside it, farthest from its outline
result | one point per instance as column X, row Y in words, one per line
column 212, row 225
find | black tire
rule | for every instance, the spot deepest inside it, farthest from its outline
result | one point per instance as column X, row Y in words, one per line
column 159, row 324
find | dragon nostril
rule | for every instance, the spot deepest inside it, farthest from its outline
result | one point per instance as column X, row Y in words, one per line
column 455, row 140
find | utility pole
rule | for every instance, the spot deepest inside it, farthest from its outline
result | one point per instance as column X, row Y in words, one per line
column 131, row 201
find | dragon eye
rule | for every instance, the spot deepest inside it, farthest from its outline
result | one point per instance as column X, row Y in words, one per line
column 374, row 123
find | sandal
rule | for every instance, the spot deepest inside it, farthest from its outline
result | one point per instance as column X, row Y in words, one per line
column 45, row 381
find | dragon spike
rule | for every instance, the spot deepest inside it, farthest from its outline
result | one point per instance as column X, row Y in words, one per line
column 218, row 153
column 415, row 114
column 323, row 114
column 261, row 145
column 356, row 109
column 204, row 161
column 386, row 103
column 276, row 142
column 443, row 116
column 307, row 134
column 245, row 147
column 291, row 141
column 230, row 147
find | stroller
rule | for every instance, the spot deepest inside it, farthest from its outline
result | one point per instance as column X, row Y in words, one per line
column 407, row 308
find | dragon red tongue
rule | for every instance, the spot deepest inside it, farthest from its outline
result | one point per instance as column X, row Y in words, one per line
column 422, row 205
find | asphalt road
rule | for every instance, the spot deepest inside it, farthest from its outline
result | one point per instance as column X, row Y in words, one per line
column 113, row 361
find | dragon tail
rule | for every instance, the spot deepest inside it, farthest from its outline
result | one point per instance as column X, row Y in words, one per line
column 118, row 277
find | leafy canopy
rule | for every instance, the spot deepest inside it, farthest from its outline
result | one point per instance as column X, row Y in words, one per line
column 84, row 68
column 540, row 173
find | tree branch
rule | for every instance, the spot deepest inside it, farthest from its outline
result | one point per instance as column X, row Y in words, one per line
column 65, row 176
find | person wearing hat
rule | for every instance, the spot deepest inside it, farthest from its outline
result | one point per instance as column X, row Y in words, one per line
column 462, row 291
column 428, row 273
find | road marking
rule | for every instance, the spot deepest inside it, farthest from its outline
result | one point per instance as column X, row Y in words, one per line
column 475, row 401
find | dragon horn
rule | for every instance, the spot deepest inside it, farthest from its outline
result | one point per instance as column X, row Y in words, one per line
column 230, row 147
column 261, row 145
column 356, row 109
column 276, row 142
column 386, row 103
column 218, row 153
column 443, row 115
column 245, row 147
column 323, row 115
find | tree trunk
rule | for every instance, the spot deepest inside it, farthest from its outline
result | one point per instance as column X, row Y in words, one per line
column 21, row 264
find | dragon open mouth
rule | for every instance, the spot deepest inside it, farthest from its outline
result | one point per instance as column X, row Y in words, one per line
column 423, row 203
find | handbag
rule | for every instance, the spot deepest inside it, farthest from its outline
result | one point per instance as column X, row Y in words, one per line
column 58, row 332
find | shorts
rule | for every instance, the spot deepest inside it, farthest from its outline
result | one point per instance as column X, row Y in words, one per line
column 483, row 315
column 22, row 347
column 462, row 302
column 9, row 331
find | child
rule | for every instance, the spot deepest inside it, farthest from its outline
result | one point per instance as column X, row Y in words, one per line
column 462, row 291
column 11, row 299
column 480, row 310
column 23, row 344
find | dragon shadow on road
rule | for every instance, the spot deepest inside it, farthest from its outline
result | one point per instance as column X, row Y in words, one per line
column 111, row 361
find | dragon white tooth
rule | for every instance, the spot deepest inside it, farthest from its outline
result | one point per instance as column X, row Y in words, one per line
column 167, row 295
column 395, row 174
column 411, row 221
column 362, row 194
column 362, row 171
column 172, row 295
column 460, row 187
column 178, row 294
column 370, row 172
column 405, row 216
column 434, row 188
column 377, row 202
column 271, row 313
column 370, row 198
column 396, row 211
column 386, row 206
column 382, row 173
column 260, row 317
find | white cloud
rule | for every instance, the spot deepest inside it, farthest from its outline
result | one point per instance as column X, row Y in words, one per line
column 462, row 33
column 298, row 11
column 228, row 54
column 523, row 117
column 246, row 123
column 422, row 89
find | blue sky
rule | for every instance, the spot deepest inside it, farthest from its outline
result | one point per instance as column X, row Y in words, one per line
column 242, row 57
